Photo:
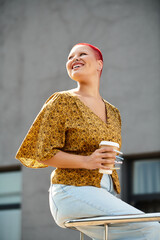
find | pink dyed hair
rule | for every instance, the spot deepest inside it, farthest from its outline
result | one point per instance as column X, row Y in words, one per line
column 96, row 50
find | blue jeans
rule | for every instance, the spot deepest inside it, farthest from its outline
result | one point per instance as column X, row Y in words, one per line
column 71, row 202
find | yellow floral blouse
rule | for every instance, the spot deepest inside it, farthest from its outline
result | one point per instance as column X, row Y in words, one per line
column 66, row 123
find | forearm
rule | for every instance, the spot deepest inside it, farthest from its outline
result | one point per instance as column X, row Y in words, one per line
column 96, row 160
column 67, row 160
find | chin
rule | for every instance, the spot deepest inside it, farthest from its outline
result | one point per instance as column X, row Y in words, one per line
column 77, row 76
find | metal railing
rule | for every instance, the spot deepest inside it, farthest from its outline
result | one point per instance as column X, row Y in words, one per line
column 108, row 220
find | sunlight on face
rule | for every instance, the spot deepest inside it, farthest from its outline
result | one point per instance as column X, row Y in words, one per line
column 82, row 62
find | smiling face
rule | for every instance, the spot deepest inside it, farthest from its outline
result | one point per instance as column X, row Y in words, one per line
column 82, row 63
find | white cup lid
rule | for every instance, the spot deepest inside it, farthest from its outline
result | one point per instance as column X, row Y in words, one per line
column 109, row 143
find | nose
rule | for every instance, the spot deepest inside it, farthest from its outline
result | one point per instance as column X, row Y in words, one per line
column 76, row 58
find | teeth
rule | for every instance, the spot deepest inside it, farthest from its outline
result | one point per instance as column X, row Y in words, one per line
column 76, row 66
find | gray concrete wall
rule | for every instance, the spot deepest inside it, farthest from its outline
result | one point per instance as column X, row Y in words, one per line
column 35, row 39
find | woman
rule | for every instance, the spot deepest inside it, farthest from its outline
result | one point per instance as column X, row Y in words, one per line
column 66, row 135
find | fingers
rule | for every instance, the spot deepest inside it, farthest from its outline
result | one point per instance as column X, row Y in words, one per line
column 120, row 158
column 106, row 149
column 107, row 161
column 104, row 167
column 109, row 149
column 109, row 155
column 118, row 162
column 102, row 157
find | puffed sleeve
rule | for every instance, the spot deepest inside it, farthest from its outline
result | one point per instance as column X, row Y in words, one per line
column 46, row 135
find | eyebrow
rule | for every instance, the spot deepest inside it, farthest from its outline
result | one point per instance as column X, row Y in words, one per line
column 79, row 53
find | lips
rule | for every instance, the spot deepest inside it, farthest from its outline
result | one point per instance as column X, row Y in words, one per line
column 77, row 65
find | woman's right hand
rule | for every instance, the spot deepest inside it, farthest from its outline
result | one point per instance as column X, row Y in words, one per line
column 99, row 157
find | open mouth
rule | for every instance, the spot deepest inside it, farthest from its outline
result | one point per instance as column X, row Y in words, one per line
column 77, row 65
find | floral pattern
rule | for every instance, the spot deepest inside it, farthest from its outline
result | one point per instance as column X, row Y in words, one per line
column 65, row 123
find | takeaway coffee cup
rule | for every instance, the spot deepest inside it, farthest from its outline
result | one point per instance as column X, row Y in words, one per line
column 110, row 144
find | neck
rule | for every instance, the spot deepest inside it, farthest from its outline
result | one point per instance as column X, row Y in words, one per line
column 88, row 89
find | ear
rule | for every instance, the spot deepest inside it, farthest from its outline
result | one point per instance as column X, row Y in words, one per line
column 100, row 65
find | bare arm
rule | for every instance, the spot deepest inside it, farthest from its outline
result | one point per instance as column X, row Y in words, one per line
column 94, row 161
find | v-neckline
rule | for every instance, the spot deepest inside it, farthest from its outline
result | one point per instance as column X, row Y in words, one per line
column 87, row 107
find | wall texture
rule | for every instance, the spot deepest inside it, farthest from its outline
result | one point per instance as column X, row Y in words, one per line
column 35, row 39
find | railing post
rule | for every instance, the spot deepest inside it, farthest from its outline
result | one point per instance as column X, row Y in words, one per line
column 81, row 236
column 106, row 231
